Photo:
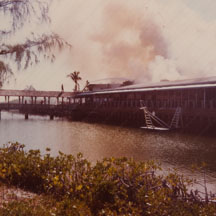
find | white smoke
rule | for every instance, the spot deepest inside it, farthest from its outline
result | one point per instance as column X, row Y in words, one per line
column 147, row 40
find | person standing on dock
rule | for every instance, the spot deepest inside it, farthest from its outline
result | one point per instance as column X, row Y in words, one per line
column 62, row 87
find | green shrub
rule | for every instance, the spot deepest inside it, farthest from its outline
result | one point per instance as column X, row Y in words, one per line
column 110, row 187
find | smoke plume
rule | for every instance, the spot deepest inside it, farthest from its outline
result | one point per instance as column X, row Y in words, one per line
column 142, row 40
column 129, row 41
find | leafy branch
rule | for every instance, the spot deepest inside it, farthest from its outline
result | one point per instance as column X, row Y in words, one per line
column 18, row 13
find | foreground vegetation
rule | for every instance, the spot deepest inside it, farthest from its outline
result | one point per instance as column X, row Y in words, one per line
column 68, row 185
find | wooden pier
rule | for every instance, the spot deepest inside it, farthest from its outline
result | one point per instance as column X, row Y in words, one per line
column 188, row 105
column 52, row 103
column 193, row 104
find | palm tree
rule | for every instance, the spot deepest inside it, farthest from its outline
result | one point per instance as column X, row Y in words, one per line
column 86, row 87
column 75, row 77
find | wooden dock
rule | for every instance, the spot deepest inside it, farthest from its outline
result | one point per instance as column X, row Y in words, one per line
column 52, row 103
column 115, row 108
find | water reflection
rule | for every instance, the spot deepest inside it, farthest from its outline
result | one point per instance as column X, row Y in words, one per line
column 97, row 141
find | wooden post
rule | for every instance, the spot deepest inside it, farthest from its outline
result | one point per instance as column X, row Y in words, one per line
column 35, row 100
column 188, row 98
column 204, row 98
column 168, row 98
column 26, row 116
column 19, row 100
column 8, row 100
column 196, row 98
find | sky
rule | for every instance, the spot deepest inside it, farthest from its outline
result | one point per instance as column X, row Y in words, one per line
column 141, row 40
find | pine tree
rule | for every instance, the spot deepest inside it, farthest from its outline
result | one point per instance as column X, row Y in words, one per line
column 17, row 14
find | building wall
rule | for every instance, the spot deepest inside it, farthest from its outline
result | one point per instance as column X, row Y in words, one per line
column 198, row 106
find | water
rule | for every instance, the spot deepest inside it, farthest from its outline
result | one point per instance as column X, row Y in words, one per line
column 97, row 141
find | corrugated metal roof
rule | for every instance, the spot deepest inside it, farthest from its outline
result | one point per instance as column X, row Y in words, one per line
column 27, row 93
column 206, row 80
column 164, row 85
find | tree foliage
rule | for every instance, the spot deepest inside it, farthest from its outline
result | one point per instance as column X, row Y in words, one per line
column 113, row 186
column 127, row 83
column 19, row 14
column 86, row 87
column 75, row 77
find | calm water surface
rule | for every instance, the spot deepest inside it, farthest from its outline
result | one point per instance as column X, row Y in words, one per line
column 97, row 141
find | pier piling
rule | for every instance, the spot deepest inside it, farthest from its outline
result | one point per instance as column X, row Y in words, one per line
column 26, row 116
